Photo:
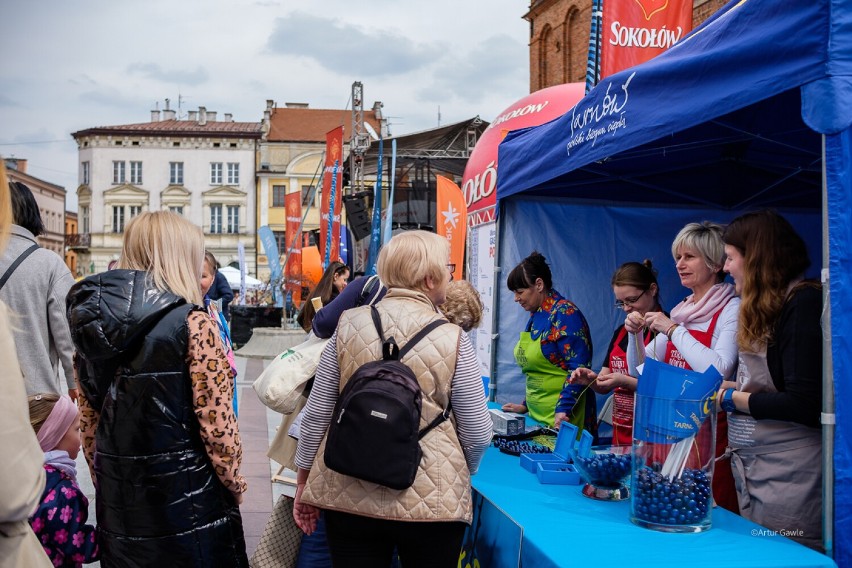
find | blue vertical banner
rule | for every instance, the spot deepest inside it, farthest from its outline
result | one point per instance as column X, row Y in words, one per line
column 593, row 67
column 388, row 232
column 376, row 234
column 332, row 200
column 270, row 247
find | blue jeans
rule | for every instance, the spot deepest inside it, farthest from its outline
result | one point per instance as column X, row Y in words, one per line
column 313, row 552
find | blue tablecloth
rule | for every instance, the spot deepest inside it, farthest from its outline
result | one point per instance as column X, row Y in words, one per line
column 562, row 528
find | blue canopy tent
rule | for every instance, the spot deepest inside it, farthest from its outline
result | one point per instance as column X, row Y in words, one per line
column 751, row 110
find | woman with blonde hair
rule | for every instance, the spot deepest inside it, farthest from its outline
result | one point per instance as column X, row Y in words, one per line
column 157, row 423
column 463, row 306
column 365, row 521
column 700, row 332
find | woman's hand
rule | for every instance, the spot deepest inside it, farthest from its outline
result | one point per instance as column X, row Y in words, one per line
column 582, row 376
column 306, row 516
column 512, row 407
column 634, row 322
column 607, row 383
column 658, row 322
column 559, row 418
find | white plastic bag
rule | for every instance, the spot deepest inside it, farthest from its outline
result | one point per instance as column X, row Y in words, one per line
column 282, row 382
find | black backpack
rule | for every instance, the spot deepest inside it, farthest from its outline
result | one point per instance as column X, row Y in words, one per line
column 374, row 434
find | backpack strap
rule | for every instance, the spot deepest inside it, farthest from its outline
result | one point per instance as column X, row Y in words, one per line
column 390, row 351
column 370, row 286
column 438, row 419
column 18, row 261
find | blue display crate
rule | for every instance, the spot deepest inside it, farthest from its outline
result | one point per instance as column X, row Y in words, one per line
column 560, row 470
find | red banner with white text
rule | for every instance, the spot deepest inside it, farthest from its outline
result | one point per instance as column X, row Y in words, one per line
column 634, row 31
column 333, row 160
column 452, row 221
column 293, row 270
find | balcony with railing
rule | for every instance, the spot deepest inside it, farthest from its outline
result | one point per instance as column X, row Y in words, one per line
column 78, row 241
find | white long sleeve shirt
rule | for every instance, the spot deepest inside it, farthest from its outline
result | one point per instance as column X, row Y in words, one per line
column 722, row 353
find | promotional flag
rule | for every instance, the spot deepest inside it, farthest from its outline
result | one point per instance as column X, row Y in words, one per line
column 376, row 227
column 270, row 247
column 388, row 231
column 593, row 69
column 634, row 31
column 332, row 181
column 452, row 220
column 293, row 237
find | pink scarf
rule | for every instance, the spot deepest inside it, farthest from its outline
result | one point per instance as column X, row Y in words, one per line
column 714, row 300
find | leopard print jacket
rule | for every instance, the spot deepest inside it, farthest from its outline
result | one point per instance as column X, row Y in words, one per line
column 212, row 387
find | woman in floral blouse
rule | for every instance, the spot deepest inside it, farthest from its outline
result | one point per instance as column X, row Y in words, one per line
column 555, row 342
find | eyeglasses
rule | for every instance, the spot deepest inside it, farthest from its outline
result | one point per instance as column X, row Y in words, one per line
column 619, row 304
column 452, row 268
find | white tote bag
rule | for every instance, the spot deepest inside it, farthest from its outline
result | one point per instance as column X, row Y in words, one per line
column 282, row 382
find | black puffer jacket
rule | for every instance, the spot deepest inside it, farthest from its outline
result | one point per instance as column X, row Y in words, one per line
column 159, row 502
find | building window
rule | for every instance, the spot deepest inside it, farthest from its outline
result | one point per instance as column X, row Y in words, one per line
column 216, row 218
column 135, row 210
column 280, row 241
column 233, row 219
column 84, row 218
column 85, row 173
column 176, row 173
column 233, row 173
column 278, row 193
column 176, row 209
column 216, row 173
column 308, row 195
column 136, row 173
column 118, row 172
column 118, row 218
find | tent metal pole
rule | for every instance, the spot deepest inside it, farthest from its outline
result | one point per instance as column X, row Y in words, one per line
column 828, row 416
column 495, row 306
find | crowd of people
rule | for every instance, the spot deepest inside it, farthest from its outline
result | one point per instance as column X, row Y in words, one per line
column 149, row 393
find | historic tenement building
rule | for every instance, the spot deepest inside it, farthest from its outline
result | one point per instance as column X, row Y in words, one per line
column 196, row 166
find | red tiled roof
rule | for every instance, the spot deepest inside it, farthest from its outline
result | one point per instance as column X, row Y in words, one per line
column 311, row 124
column 179, row 127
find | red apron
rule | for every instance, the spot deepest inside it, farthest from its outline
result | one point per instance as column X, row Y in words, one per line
column 724, row 490
column 623, row 399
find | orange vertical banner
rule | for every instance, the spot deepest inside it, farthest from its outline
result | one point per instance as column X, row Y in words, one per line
column 293, row 270
column 634, row 31
column 330, row 184
column 452, row 220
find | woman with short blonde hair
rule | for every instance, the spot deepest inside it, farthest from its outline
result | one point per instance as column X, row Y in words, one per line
column 410, row 257
column 426, row 522
column 705, row 238
column 700, row 332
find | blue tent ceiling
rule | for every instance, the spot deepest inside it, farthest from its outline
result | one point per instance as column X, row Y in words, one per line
column 709, row 164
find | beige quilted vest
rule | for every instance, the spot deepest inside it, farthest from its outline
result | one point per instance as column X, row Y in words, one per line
column 441, row 489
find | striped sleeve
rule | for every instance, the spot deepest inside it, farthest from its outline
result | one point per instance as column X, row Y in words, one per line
column 473, row 423
column 318, row 410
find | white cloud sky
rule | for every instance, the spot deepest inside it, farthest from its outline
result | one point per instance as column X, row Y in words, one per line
column 67, row 66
